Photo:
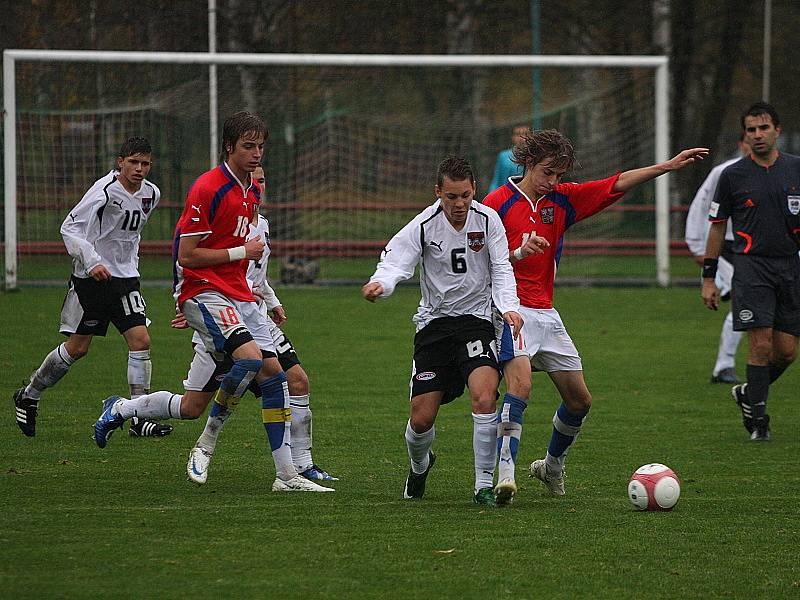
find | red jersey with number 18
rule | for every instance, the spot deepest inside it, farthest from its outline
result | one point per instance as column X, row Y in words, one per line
column 548, row 217
column 219, row 209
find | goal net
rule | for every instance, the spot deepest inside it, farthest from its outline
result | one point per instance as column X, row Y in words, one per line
column 351, row 156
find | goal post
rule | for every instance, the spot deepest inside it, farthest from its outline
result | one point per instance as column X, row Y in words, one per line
column 12, row 58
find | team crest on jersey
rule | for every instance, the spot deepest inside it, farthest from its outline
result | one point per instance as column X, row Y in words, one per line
column 147, row 204
column 794, row 204
column 476, row 240
column 547, row 214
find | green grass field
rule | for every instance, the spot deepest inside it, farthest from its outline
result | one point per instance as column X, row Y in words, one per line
column 123, row 522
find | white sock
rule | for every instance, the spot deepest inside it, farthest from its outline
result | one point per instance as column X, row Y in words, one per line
column 301, row 432
column 54, row 366
column 284, row 468
column 484, row 444
column 139, row 370
column 728, row 345
column 216, row 421
column 555, row 465
column 419, row 444
column 158, row 405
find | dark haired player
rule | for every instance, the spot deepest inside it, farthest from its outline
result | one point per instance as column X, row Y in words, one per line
column 760, row 194
column 102, row 234
column 461, row 250
column 538, row 204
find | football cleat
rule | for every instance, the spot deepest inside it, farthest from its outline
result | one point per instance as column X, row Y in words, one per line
column 298, row 484
column 148, row 428
column 105, row 425
column 725, row 376
column 415, row 482
column 760, row 429
column 553, row 483
column 197, row 467
column 739, row 393
column 314, row 473
column 25, row 410
column 485, row 496
column 504, row 491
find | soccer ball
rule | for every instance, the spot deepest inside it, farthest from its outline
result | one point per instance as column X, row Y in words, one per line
column 654, row 487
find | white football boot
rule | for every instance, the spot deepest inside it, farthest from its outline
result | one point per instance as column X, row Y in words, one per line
column 197, row 467
column 553, row 483
column 298, row 484
column 504, row 491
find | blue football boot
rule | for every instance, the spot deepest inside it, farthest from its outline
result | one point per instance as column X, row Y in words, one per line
column 107, row 423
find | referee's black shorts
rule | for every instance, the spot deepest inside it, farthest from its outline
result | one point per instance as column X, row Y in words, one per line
column 766, row 293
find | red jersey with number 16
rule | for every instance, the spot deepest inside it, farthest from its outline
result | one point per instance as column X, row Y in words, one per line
column 219, row 210
column 549, row 217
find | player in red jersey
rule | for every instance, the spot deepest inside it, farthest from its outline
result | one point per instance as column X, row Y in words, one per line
column 538, row 204
column 212, row 255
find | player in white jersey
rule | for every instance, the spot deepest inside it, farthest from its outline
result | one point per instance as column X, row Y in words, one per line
column 205, row 374
column 102, row 234
column 697, row 226
column 461, row 249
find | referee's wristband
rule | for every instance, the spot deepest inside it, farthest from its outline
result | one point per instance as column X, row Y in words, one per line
column 710, row 268
column 518, row 253
column 237, row 253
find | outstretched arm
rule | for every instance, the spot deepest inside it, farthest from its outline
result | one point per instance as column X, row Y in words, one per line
column 634, row 177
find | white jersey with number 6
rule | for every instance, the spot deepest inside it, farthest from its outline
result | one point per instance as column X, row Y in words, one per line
column 461, row 272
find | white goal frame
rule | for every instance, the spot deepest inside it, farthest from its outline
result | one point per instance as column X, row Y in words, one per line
column 659, row 64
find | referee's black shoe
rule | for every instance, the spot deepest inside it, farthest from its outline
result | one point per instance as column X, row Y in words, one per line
column 415, row 484
column 148, row 428
column 25, row 410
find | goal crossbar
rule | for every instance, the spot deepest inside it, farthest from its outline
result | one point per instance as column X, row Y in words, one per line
column 10, row 57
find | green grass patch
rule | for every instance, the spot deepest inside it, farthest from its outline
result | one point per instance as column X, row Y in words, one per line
column 123, row 522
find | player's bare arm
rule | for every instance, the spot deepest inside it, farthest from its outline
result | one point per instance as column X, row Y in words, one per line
column 278, row 315
column 99, row 273
column 371, row 291
column 193, row 257
column 632, row 178
column 514, row 319
column 533, row 245
column 716, row 237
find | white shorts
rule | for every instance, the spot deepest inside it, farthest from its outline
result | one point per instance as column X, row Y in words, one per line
column 216, row 319
column 544, row 339
column 201, row 372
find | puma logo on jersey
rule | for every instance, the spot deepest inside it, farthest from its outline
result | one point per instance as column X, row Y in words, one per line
column 197, row 208
column 749, row 203
column 118, row 203
column 437, row 245
column 73, row 216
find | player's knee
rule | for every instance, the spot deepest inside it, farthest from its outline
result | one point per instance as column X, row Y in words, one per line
column 297, row 380
column 422, row 422
column 579, row 402
column 784, row 358
column 269, row 368
column 76, row 349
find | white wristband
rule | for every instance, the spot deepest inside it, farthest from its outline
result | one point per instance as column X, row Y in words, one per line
column 518, row 253
column 237, row 253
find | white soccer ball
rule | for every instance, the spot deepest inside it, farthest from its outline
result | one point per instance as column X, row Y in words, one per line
column 654, row 487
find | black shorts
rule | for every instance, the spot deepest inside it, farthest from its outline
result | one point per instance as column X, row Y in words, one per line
column 90, row 305
column 287, row 357
column 766, row 293
column 447, row 350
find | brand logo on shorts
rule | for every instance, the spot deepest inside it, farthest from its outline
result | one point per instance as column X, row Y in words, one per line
column 476, row 240
column 794, row 204
column 547, row 214
column 745, row 316
column 90, row 323
column 425, row 376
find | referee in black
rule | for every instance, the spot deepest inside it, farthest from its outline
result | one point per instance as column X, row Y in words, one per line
column 761, row 195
